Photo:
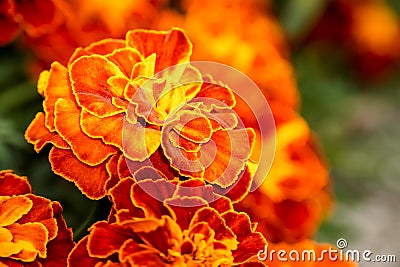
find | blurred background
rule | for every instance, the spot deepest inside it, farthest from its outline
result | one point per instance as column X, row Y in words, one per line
column 345, row 57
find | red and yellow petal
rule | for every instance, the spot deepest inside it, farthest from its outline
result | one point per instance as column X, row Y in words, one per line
column 193, row 126
column 67, row 121
column 106, row 239
column 222, row 232
column 79, row 255
column 13, row 208
column 12, row 184
column 89, row 179
column 89, row 79
column 171, row 47
column 56, row 86
column 218, row 93
column 32, row 238
column 58, row 248
column 121, row 198
column 250, row 242
column 41, row 212
column 109, row 129
column 38, row 135
column 125, row 58
column 102, row 47
column 147, row 194
column 140, row 142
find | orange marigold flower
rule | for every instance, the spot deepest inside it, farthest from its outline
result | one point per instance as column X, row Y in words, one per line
column 252, row 42
column 9, row 27
column 368, row 30
column 295, row 196
column 32, row 229
column 35, row 17
column 306, row 253
column 105, row 115
column 79, row 23
column 287, row 220
column 142, row 231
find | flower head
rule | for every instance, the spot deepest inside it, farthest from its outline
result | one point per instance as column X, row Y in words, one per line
column 35, row 17
column 146, row 232
column 123, row 104
column 252, row 41
column 32, row 229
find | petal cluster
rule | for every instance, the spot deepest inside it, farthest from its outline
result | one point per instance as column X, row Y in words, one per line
column 142, row 231
column 106, row 115
column 32, row 229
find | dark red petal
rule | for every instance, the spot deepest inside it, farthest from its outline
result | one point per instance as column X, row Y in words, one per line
column 89, row 179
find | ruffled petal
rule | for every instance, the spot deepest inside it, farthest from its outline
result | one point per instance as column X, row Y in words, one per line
column 216, row 222
column 56, row 87
column 31, row 238
column 146, row 193
column 38, row 135
column 89, row 179
column 217, row 92
column 106, row 239
column 88, row 150
column 109, row 129
column 250, row 242
column 232, row 154
column 89, row 79
column 171, row 47
column 11, row 184
column 121, row 198
column 42, row 212
column 13, row 208
column 140, row 142
column 79, row 255
column 102, row 47
column 58, row 248
column 125, row 58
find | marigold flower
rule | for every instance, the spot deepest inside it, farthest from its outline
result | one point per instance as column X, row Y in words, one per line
column 251, row 42
column 35, row 17
column 105, row 116
column 287, row 220
column 306, row 253
column 146, row 232
column 295, row 196
column 32, row 229
column 79, row 23
column 368, row 30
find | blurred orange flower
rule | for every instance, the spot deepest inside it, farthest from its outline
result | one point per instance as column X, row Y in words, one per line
column 32, row 229
column 142, row 231
column 368, row 30
column 251, row 42
column 105, row 93
column 85, row 22
column 294, row 197
column 307, row 249
column 35, row 18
